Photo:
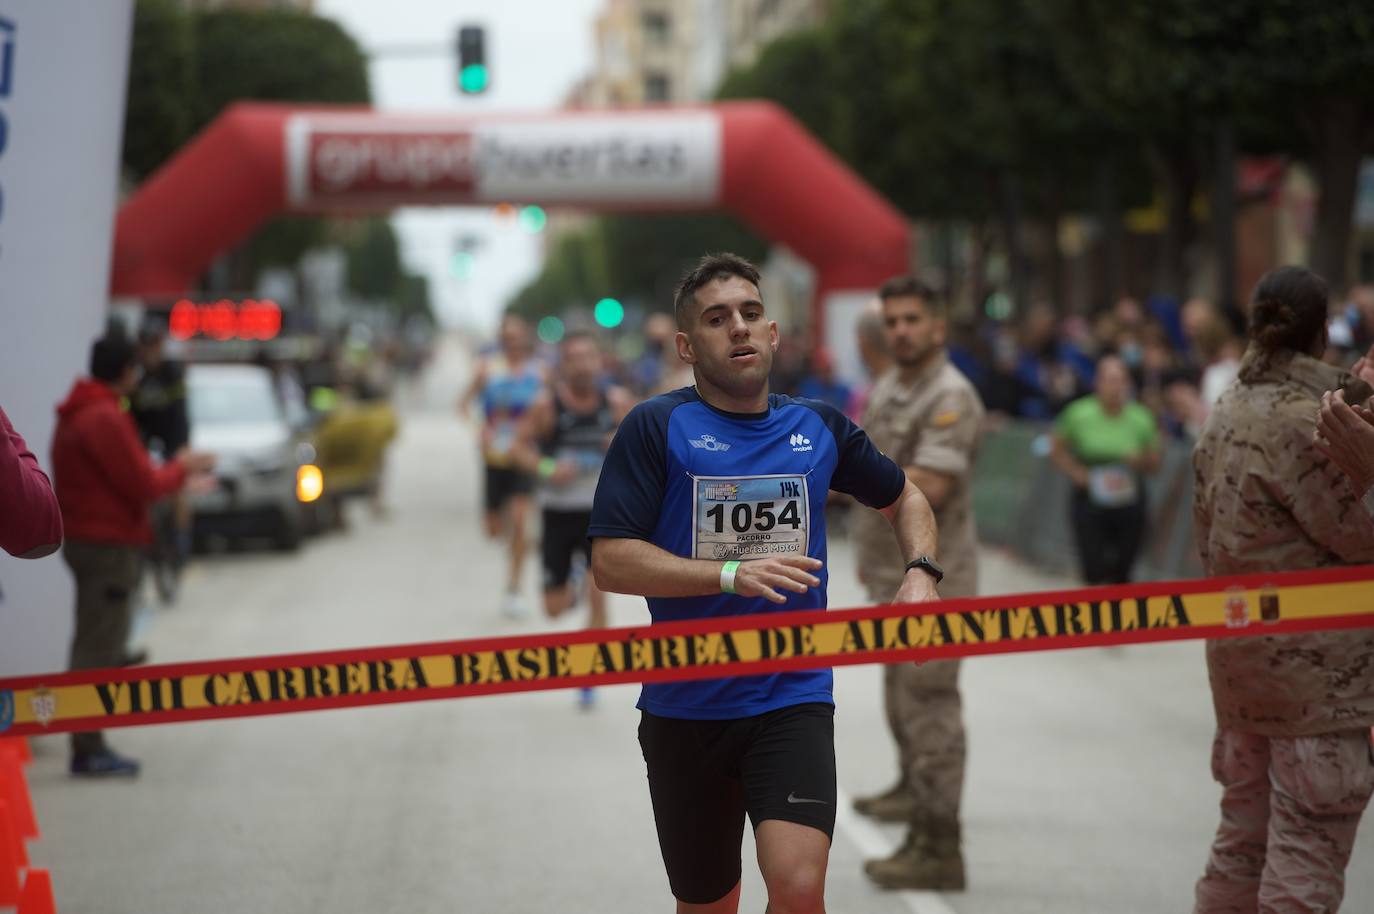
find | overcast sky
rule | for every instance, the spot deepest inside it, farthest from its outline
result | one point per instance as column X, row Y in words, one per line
column 536, row 50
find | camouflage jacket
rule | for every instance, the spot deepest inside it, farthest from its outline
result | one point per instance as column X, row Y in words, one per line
column 1267, row 500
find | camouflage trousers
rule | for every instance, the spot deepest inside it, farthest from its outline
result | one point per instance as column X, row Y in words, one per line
column 1290, row 807
column 927, row 720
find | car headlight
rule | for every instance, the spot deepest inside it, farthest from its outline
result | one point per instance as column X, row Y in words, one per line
column 309, row 482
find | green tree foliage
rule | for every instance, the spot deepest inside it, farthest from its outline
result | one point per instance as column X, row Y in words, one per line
column 637, row 259
column 161, row 94
column 798, row 71
column 573, row 276
column 1320, row 58
column 374, row 260
column 186, row 67
column 991, row 111
column 275, row 55
column 1287, row 77
column 412, row 299
column 375, row 270
column 647, row 254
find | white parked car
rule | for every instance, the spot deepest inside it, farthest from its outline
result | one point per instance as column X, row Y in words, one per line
column 237, row 414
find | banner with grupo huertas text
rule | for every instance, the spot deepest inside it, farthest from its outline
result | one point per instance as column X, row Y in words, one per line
column 1246, row 606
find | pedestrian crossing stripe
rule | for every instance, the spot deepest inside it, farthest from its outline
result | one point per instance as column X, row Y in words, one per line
column 1242, row 606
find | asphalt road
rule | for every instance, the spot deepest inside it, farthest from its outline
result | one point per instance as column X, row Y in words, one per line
column 1088, row 787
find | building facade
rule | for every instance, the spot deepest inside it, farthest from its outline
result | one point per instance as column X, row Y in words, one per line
column 678, row 51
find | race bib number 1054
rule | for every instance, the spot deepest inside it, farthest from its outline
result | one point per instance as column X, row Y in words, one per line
column 750, row 516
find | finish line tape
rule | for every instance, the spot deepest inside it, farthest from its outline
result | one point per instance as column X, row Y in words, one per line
column 1243, row 606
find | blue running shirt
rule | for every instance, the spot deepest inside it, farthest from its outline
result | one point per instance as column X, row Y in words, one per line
column 702, row 483
column 505, row 397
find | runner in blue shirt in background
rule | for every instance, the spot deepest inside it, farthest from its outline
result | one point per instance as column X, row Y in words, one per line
column 710, row 504
column 506, row 383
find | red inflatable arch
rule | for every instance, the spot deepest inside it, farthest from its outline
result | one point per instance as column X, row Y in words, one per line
column 750, row 158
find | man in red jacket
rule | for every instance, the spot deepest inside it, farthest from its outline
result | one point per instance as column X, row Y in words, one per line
column 105, row 484
column 30, row 522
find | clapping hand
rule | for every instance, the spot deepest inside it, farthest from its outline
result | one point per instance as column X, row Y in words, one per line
column 1345, row 434
column 1364, row 367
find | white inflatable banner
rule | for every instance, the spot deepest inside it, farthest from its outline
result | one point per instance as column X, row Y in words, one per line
column 651, row 159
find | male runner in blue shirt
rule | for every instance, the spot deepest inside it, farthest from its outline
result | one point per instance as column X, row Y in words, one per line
column 711, row 503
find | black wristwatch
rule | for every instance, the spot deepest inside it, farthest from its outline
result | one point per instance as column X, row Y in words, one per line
column 927, row 564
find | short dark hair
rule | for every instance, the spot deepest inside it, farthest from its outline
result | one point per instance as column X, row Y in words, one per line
column 111, row 356
column 708, row 269
column 911, row 286
column 1288, row 310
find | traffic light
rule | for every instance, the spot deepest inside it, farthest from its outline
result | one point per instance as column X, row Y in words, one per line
column 473, row 76
column 533, row 219
column 550, row 329
column 609, row 313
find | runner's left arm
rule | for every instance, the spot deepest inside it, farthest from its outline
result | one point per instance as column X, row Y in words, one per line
column 913, row 522
column 875, row 480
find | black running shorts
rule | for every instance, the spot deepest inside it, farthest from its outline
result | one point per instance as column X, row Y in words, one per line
column 565, row 535
column 503, row 484
column 705, row 775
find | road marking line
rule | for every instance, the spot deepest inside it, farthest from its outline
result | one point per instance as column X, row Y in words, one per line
column 871, row 842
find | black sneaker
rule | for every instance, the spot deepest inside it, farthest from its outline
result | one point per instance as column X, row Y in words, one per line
column 134, row 658
column 105, row 764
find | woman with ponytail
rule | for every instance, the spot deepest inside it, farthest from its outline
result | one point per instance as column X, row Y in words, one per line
column 1292, row 748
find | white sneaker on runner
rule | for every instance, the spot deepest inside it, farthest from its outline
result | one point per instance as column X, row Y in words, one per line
column 514, row 606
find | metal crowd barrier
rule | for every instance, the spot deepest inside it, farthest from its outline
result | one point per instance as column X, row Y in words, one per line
column 1021, row 502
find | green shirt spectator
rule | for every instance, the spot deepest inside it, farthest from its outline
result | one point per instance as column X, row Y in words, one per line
column 1096, row 437
column 1106, row 444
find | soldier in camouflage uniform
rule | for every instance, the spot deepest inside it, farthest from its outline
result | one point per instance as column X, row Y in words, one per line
column 925, row 415
column 1294, row 712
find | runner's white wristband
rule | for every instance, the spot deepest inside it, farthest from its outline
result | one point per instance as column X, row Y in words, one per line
column 727, row 577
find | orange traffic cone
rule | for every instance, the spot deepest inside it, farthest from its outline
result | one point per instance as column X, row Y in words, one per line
column 9, row 887
column 14, row 790
column 9, row 866
column 13, row 849
column 37, row 895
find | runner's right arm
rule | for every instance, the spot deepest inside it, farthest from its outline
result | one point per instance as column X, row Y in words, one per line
column 1068, row 464
column 638, row 567
column 625, row 513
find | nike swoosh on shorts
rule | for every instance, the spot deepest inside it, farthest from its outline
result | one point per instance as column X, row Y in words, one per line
column 793, row 798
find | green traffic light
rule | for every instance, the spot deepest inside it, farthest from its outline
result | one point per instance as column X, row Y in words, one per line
column 474, row 78
column 609, row 312
column 550, row 329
